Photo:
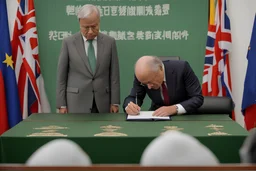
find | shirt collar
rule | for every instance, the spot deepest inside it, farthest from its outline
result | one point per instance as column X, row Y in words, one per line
column 86, row 39
column 164, row 73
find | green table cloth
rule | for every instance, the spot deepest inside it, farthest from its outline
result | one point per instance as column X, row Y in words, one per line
column 115, row 117
column 109, row 138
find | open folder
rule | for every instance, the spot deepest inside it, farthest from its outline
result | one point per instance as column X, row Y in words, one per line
column 146, row 115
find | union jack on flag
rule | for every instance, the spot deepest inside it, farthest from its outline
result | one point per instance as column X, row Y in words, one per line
column 216, row 75
column 31, row 90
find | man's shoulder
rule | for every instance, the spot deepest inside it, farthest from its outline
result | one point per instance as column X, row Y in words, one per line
column 106, row 37
column 72, row 37
column 175, row 63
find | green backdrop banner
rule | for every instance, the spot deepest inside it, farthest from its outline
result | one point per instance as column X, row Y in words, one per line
column 140, row 27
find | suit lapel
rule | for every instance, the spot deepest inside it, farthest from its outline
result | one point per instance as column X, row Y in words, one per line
column 100, row 51
column 170, row 76
column 156, row 94
column 79, row 44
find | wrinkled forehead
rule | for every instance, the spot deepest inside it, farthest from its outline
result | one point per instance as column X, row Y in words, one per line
column 89, row 21
column 145, row 76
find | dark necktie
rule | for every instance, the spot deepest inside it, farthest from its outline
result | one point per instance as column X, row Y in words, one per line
column 91, row 56
column 165, row 94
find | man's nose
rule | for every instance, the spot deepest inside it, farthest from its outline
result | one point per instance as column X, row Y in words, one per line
column 90, row 30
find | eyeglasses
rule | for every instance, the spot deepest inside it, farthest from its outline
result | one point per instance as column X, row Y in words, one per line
column 87, row 28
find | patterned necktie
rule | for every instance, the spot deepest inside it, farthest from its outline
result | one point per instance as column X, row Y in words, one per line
column 91, row 56
column 165, row 94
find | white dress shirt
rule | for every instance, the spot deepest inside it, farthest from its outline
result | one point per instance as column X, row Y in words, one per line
column 86, row 45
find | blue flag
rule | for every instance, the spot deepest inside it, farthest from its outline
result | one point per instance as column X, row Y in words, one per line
column 249, row 95
column 8, row 81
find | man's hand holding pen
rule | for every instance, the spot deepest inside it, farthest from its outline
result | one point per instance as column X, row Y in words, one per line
column 132, row 109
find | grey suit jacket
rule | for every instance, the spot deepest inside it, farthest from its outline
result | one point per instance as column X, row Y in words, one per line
column 76, row 84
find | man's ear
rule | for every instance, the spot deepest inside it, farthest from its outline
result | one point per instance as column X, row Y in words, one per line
column 161, row 67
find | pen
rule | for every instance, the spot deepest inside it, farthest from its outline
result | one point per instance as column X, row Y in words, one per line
column 136, row 99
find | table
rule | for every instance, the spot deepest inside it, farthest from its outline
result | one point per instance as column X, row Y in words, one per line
column 109, row 138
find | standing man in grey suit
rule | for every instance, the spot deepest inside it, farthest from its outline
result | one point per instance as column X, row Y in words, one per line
column 88, row 69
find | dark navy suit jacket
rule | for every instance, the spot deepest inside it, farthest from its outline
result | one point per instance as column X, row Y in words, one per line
column 183, row 88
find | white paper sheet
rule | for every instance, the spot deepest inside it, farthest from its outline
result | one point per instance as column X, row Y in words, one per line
column 146, row 115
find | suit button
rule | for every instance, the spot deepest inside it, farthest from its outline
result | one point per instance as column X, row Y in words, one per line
column 92, row 79
column 93, row 91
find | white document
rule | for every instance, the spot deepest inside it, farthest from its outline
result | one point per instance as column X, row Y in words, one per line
column 147, row 115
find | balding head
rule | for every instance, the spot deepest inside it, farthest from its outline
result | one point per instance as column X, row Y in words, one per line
column 149, row 70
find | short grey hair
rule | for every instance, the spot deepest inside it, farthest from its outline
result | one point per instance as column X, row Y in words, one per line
column 155, row 63
column 87, row 10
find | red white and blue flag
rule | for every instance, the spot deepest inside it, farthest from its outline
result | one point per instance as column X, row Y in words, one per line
column 216, row 75
column 31, row 90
